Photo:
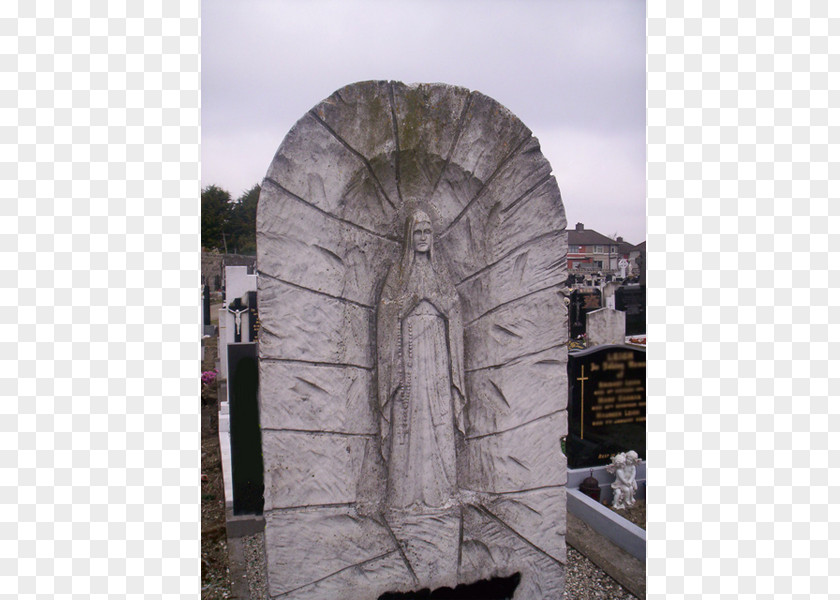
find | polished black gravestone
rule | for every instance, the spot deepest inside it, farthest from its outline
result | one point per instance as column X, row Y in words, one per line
column 581, row 302
column 245, row 439
column 607, row 404
column 631, row 300
column 207, row 328
column 253, row 319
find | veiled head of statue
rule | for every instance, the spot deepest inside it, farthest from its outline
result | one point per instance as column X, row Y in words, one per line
column 418, row 234
column 421, row 233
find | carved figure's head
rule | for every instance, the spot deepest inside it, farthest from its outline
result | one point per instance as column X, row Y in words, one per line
column 421, row 232
column 418, row 237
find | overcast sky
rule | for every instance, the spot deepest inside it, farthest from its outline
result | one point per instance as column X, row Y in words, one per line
column 573, row 71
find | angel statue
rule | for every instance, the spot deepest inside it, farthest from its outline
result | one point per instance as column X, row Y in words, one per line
column 624, row 487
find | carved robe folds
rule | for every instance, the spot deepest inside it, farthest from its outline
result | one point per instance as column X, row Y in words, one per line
column 420, row 362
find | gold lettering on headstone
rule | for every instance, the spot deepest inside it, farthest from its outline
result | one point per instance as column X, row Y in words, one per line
column 620, row 400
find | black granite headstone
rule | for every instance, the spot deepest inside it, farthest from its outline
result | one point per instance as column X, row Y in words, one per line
column 206, row 320
column 582, row 302
column 607, row 404
column 253, row 321
column 245, row 438
column 631, row 300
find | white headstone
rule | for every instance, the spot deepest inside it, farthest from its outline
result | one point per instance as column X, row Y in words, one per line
column 605, row 326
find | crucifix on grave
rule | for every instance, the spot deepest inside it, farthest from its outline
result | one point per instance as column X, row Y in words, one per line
column 236, row 308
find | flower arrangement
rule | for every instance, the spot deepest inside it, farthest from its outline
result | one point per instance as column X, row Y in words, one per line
column 208, row 377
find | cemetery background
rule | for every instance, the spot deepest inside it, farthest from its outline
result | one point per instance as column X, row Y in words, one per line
column 126, row 241
column 249, row 572
column 577, row 567
column 545, row 139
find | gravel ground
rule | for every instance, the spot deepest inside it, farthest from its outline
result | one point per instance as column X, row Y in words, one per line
column 584, row 580
column 255, row 564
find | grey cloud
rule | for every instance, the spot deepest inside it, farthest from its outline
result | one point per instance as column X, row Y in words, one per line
column 574, row 72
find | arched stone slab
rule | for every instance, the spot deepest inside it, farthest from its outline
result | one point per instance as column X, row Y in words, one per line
column 330, row 224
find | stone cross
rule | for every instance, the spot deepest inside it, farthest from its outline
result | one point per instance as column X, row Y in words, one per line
column 622, row 267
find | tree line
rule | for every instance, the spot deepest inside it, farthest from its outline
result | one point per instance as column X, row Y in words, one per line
column 228, row 225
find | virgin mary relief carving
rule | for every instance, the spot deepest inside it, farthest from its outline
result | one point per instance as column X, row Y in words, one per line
column 412, row 381
column 420, row 365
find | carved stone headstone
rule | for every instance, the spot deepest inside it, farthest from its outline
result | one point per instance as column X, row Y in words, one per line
column 604, row 326
column 411, row 252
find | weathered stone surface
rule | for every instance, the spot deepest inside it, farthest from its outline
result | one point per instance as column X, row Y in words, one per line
column 428, row 120
column 430, row 544
column 538, row 516
column 523, row 458
column 304, row 468
column 490, row 227
column 517, row 392
column 515, row 330
column 299, row 324
column 331, row 256
column 493, row 549
column 331, row 223
column 367, row 579
column 539, row 213
column 360, row 115
column 314, row 165
column 605, row 326
column 488, row 139
column 336, row 539
column 529, row 269
column 428, row 117
column 318, row 398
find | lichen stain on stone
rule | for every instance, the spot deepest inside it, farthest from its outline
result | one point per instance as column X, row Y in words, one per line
column 416, row 102
column 421, row 115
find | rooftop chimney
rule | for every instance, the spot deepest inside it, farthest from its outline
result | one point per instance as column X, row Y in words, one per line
column 579, row 227
column 619, row 239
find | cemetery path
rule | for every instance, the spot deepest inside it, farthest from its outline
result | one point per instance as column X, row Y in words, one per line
column 215, row 574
